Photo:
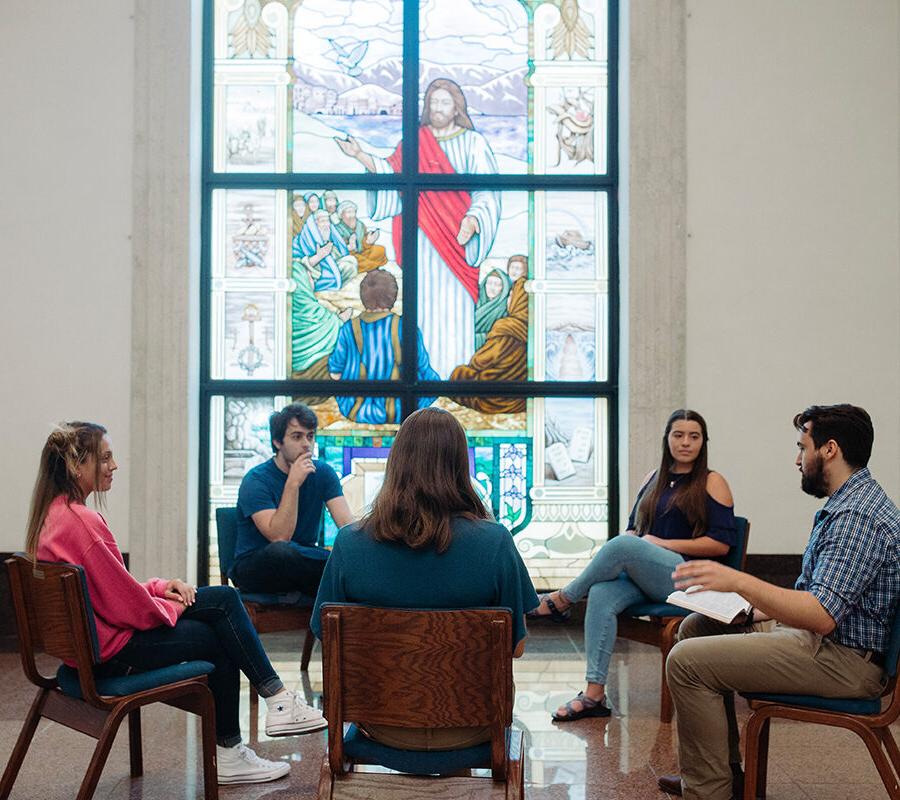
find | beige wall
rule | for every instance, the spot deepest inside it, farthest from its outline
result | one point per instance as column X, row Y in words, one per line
column 66, row 143
column 794, row 237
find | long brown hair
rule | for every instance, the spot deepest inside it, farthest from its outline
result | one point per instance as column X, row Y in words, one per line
column 426, row 482
column 460, row 107
column 690, row 496
column 68, row 446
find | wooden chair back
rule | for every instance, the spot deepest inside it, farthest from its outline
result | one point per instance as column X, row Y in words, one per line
column 54, row 616
column 418, row 669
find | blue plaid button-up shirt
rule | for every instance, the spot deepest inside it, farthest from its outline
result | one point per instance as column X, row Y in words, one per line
column 852, row 562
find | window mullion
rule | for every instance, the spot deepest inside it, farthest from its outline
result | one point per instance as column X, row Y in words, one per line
column 410, row 218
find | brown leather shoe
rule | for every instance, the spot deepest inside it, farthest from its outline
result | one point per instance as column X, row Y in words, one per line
column 671, row 784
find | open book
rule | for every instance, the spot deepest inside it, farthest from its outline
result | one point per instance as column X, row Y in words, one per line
column 723, row 606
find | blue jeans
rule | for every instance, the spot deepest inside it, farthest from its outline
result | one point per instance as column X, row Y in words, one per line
column 215, row 629
column 626, row 570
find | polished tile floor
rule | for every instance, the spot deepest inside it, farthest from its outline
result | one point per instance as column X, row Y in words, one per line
column 618, row 757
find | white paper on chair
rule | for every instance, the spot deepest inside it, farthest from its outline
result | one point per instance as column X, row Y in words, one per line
column 723, row 606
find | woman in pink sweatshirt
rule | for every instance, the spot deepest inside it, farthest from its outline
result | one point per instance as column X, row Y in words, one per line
column 145, row 626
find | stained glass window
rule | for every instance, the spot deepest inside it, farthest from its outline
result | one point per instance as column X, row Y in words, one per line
column 412, row 203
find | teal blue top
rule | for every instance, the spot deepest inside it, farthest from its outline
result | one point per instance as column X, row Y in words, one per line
column 481, row 568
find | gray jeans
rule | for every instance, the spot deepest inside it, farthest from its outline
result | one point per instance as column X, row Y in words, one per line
column 712, row 661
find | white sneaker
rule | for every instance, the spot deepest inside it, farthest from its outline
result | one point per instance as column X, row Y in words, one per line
column 293, row 716
column 240, row 764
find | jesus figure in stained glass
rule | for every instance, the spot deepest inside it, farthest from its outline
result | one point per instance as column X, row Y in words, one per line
column 456, row 228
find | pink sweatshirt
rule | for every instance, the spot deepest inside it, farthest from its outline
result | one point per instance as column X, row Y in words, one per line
column 76, row 534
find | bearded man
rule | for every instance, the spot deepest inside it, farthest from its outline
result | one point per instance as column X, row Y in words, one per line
column 359, row 240
column 456, row 228
column 830, row 632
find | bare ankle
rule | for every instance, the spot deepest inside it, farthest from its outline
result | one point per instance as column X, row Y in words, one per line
column 596, row 691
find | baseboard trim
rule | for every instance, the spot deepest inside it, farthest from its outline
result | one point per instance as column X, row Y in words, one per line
column 780, row 569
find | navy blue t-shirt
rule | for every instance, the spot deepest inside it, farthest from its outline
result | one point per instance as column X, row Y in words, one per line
column 262, row 488
column 480, row 568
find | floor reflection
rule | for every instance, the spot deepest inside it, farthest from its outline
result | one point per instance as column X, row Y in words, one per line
column 615, row 757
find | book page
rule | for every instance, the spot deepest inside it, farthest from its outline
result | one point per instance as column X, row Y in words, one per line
column 723, row 606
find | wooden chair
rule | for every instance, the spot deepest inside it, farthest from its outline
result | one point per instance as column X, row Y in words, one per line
column 658, row 623
column 865, row 717
column 269, row 612
column 419, row 669
column 54, row 616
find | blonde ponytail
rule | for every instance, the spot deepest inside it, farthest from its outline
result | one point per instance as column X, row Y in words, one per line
column 67, row 447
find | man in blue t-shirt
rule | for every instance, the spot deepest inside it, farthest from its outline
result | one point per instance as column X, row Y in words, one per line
column 279, row 510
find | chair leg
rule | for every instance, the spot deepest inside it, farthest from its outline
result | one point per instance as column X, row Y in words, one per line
column 207, row 711
column 666, row 643
column 756, row 736
column 666, row 709
column 888, row 776
column 762, row 771
column 22, row 744
column 135, row 749
column 254, row 715
column 308, row 643
column 890, row 745
column 515, row 769
column 326, row 780
column 98, row 759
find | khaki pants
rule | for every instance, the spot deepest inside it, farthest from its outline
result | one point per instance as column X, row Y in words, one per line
column 426, row 738
column 710, row 663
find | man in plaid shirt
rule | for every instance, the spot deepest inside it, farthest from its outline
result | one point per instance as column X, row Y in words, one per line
column 829, row 634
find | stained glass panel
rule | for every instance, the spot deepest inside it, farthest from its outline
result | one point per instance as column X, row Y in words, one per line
column 250, row 129
column 346, row 297
column 541, row 464
column 347, row 78
column 512, row 285
column 248, row 240
column 513, row 87
column 505, row 87
column 472, row 79
column 306, row 284
column 250, row 335
column 248, row 311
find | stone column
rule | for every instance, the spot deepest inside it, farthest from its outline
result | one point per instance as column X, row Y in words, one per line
column 654, row 229
column 165, row 292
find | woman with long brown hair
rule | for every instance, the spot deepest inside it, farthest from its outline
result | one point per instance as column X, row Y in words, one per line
column 159, row 623
column 429, row 543
column 682, row 511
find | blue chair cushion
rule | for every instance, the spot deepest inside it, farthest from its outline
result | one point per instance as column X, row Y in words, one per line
column 655, row 610
column 865, row 705
column 137, row 682
column 296, row 599
column 360, row 748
